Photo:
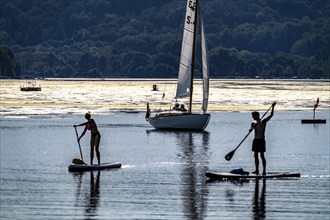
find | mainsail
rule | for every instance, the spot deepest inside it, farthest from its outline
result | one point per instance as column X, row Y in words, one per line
column 184, row 78
column 185, row 71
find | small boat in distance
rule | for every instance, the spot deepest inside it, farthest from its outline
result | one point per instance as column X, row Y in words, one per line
column 177, row 119
column 154, row 87
column 31, row 85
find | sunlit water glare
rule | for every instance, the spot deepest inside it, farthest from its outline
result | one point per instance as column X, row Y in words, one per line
column 105, row 96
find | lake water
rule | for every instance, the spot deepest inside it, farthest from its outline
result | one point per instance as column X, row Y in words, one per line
column 163, row 172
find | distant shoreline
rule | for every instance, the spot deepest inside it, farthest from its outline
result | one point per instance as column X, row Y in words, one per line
column 172, row 79
column 166, row 79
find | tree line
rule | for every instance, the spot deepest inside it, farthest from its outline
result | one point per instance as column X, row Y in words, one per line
column 142, row 38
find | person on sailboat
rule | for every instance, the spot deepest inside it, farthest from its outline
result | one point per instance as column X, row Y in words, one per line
column 182, row 108
column 95, row 137
column 176, row 106
column 259, row 143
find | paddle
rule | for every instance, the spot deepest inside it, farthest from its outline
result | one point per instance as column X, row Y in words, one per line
column 231, row 153
column 78, row 143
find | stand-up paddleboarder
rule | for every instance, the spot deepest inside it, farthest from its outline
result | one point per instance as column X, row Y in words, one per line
column 259, row 143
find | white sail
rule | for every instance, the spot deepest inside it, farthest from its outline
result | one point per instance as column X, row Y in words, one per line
column 205, row 64
column 184, row 78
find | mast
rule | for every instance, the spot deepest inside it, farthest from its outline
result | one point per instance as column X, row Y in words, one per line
column 193, row 57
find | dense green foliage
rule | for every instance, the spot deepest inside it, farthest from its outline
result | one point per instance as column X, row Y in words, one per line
column 9, row 67
column 142, row 38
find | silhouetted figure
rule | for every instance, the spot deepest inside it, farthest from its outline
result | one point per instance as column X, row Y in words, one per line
column 95, row 137
column 259, row 143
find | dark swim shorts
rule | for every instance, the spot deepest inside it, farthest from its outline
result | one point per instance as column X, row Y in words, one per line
column 259, row 145
column 95, row 134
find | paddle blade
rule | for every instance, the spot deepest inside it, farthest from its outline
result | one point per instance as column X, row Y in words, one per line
column 229, row 155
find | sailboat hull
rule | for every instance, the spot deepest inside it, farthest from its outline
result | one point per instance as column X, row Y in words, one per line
column 172, row 121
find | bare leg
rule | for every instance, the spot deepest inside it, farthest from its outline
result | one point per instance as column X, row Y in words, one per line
column 97, row 146
column 256, row 162
column 262, row 155
column 92, row 150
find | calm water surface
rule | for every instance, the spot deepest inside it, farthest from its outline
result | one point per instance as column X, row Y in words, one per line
column 163, row 172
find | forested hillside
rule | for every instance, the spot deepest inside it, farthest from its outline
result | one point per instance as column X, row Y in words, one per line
column 142, row 38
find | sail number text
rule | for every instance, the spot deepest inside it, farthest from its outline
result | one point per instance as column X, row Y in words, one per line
column 192, row 6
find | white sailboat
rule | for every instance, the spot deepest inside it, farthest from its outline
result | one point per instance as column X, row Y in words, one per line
column 187, row 120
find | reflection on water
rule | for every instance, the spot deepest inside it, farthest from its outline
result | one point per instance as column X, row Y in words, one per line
column 91, row 196
column 230, row 192
column 163, row 174
column 259, row 201
column 258, row 197
column 194, row 147
column 94, row 195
